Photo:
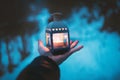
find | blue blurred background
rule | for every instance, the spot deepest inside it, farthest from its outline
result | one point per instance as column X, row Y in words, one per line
column 95, row 23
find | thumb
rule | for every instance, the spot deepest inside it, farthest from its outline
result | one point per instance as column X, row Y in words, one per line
column 41, row 47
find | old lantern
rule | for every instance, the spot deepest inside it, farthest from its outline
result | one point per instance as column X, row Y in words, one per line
column 57, row 35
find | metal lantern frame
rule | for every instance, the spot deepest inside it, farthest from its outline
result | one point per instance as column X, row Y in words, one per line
column 52, row 29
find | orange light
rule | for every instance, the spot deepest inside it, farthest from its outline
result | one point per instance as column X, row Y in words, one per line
column 60, row 40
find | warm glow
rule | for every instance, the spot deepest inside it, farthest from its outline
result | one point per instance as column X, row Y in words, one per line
column 60, row 40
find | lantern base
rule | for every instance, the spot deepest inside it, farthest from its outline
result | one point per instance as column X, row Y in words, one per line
column 59, row 51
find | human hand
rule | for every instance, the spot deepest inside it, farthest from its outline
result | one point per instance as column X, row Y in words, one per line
column 58, row 58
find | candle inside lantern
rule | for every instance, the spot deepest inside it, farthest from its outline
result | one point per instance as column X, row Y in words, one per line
column 60, row 40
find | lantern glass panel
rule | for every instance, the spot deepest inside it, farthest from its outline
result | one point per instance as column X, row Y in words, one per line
column 60, row 40
column 48, row 39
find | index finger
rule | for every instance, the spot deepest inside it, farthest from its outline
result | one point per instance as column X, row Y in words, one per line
column 74, row 44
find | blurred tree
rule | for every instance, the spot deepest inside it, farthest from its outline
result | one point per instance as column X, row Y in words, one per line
column 110, row 9
column 1, row 65
column 13, row 23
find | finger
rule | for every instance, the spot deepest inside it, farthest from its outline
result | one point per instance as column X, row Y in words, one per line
column 71, row 42
column 76, row 49
column 40, row 43
column 74, row 44
column 41, row 46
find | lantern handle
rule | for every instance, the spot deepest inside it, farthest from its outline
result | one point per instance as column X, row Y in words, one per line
column 57, row 16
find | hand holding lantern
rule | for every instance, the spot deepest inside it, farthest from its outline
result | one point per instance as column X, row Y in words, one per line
column 58, row 58
column 59, row 47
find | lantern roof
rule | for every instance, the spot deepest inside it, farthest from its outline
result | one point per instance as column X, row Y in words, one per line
column 56, row 21
column 57, row 24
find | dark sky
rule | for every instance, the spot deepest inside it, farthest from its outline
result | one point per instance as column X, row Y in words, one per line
column 14, row 12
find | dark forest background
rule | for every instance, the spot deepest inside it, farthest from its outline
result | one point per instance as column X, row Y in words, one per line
column 13, row 15
column 14, row 12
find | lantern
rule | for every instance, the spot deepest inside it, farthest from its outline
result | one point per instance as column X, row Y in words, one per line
column 57, row 35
